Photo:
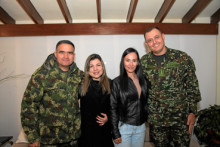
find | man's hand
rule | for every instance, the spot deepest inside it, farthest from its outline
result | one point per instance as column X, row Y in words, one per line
column 190, row 122
column 102, row 120
column 35, row 144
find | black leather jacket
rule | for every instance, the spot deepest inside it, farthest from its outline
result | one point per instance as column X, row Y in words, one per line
column 127, row 107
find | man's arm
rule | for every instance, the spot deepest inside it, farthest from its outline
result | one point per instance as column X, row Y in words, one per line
column 192, row 86
column 30, row 109
column 193, row 92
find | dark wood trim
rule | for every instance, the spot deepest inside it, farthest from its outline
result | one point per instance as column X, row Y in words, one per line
column 31, row 11
column 8, row 30
column 195, row 10
column 165, row 8
column 65, row 10
column 98, row 5
column 215, row 18
column 131, row 10
column 5, row 17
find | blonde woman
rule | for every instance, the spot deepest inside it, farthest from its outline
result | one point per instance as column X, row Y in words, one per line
column 95, row 105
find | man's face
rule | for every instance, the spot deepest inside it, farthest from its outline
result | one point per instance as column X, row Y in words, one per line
column 154, row 40
column 65, row 56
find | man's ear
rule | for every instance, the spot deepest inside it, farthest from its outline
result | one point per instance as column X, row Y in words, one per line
column 55, row 54
column 146, row 44
column 163, row 36
column 74, row 55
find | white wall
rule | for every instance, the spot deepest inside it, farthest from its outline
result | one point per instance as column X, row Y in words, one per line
column 218, row 67
column 23, row 55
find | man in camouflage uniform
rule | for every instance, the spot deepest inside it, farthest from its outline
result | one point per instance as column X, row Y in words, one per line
column 173, row 94
column 50, row 113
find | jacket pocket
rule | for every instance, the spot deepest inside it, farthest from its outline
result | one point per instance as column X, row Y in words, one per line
column 53, row 134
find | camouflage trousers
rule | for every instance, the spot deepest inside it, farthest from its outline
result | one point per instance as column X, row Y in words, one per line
column 172, row 136
column 73, row 143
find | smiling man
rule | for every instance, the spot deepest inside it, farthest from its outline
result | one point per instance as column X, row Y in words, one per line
column 174, row 91
column 50, row 113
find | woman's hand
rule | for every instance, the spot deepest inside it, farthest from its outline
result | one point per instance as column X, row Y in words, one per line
column 118, row 140
column 102, row 120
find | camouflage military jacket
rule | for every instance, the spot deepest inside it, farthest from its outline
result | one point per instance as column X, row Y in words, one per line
column 49, row 111
column 174, row 91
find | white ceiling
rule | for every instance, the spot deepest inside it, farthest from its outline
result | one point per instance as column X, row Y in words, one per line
column 85, row 11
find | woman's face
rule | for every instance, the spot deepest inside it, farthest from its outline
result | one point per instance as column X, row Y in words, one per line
column 95, row 69
column 130, row 62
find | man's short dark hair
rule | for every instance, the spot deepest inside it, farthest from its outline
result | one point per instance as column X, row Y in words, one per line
column 151, row 28
column 65, row 42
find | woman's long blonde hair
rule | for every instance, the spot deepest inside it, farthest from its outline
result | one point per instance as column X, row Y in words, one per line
column 104, row 81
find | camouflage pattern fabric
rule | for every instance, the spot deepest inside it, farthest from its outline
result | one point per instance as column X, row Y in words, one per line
column 73, row 143
column 173, row 136
column 174, row 91
column 50, row 111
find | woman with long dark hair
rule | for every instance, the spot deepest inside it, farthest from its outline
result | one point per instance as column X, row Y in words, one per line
column 94, row 95
column 128, row 101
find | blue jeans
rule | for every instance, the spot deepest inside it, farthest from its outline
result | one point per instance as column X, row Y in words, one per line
column 132, row 136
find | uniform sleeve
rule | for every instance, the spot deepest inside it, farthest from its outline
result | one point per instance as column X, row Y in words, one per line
column 192, row 86
column 30, row 109
column 114, row 108
column 143, row 65
column 147, row 87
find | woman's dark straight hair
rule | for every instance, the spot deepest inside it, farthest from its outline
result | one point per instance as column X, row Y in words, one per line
column 123, row 73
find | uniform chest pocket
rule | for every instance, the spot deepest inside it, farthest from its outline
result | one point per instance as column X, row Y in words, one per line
column 171, row 70
column 55, row 89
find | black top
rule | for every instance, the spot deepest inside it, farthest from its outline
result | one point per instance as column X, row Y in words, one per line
column 92, row 104
column 159, row 58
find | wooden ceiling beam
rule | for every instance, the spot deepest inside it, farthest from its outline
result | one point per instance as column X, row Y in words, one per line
column 11, row 30
column 215, row 18
column 165, row 8
column 31, row 11
column 131, row 10
column 65, row 10
column 98, row 5
column 195, row 10
column 5, row 17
